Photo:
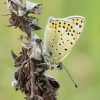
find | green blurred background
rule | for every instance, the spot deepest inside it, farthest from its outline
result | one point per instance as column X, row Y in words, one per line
column 83, row 61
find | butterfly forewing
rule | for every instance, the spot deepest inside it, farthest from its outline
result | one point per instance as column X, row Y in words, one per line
column 65, row 39
column 61, row 35
column 79, row 22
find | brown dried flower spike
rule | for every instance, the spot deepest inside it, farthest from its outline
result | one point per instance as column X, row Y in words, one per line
column 21, row 18
column 29, row 77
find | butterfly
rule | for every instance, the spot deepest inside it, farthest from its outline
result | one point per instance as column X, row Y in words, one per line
column 60, row 37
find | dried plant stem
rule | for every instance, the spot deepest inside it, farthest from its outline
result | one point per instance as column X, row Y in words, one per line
column 33, row 85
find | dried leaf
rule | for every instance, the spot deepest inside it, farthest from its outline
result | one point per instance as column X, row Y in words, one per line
column 33, row 7
column 17, row 1
column 33, row 27
column 55, row 85
column 13, row 55
column 13, row 4
column 35, row 46
column 28, row 84
column 26, row 45
column 15, row 84
column 9, row 5
column 29, row 18
column 36, row 51
column 29, row 8
column 38, row 9
column 13, row 20
column 22, row 11
column 26, row 69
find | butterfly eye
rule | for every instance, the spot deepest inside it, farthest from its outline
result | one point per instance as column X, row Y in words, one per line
column 38, row 40
column 59, row 66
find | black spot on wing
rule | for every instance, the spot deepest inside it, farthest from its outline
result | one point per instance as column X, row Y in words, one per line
column 66, row 30
column 71, row 34
column 81, row 21
column 71, row 43
column 73, row 38
column 59, row 22
column 67, row 33
column 65, row 49
column 59, row 53
column 63, row 42
column 80, row 26
column 76, row 23
column 61, row 38
column 59, row 31
column 71, row 27
column 56, row 49
column 68, row 24
column 53, row 23
column 73, row 31
column 64, row 22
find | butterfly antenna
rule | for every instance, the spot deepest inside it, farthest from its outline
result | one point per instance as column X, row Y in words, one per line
column 70, row 76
